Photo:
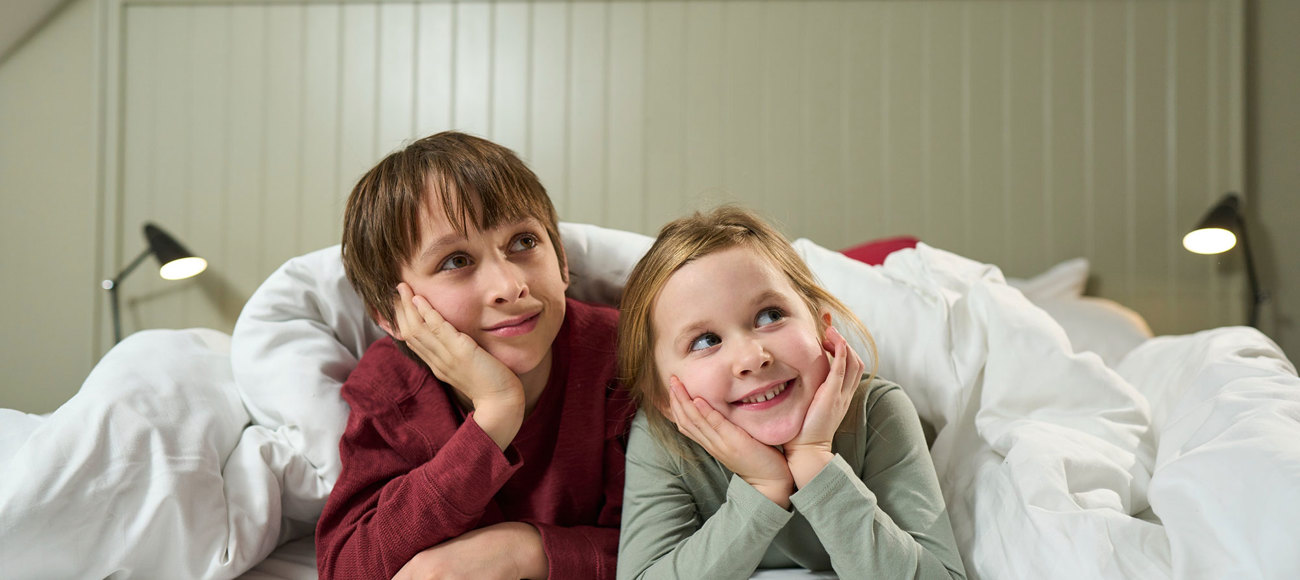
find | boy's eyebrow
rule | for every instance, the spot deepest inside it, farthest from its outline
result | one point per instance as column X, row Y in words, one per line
column 433, row 246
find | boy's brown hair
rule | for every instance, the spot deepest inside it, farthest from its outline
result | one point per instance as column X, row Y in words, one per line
column 680, row 242
column 476, row 181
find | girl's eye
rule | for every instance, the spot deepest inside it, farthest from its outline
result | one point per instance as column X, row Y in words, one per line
column 454, row 262
column 523, row 243
column 768, row 316
column 704, row 341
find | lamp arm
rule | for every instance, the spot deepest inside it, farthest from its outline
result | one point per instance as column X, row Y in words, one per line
column 1256, row 295
column 111, row 286
column 132, row 266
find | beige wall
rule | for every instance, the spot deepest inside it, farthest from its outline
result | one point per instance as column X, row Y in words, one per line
column 1274, row 164
column 48, row 226
column 1020, row 133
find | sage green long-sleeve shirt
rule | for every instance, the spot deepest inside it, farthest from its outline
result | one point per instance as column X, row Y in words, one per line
column 875, row 511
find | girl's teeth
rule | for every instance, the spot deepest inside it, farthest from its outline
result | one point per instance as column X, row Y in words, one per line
column 766, row 396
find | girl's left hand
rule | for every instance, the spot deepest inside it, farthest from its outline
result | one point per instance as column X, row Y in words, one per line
column 810, row 450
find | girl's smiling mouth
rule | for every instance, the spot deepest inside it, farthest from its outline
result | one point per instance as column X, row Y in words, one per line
column 767, row 397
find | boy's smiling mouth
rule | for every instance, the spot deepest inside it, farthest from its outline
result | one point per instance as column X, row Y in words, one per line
column 515, row 326
column 766, row 396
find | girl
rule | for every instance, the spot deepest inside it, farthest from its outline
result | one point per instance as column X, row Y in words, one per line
column 759, row 443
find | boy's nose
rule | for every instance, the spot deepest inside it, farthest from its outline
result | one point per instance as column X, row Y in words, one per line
column 506, row 283
column 751, row 357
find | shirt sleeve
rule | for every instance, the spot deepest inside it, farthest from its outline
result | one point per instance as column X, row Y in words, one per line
column 662, row 535
column 891, row 521
column 386, row 508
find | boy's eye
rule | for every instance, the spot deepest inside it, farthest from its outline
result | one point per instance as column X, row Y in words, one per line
column 523, row 243
column 704, row 341
column 768, row 316
column 454, row 262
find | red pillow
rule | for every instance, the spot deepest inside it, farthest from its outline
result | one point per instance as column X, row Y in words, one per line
column 874, row 252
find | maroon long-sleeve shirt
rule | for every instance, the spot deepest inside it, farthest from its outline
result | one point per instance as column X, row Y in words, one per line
column 416, row 473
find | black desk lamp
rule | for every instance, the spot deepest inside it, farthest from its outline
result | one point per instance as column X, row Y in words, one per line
column 1218, row 232
column 177, row 263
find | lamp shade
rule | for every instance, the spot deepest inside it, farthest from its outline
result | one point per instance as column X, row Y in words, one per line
column 175, row 261
column 1217, row 232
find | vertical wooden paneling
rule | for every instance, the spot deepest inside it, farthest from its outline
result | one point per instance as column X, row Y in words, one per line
column 1150, row 229
column 359, row 147
column 549, row 104
column 323, row 189
column 905, row 152
column 510, row 67
column 434, row 77
column 1066, row 123
column 863, row 147
column 247, row 152
column 395, row 86
column 987, row 179
column 822, row 116
column 742, row 101
column 783, row 93
column 665, row 117
column 703, row 68
column 1017, row 133
column 208, row 135
column 587, row 150
column 281, row 210
column 1024, row 148
column 946, row 222
column 627, row 123
column 472, row 88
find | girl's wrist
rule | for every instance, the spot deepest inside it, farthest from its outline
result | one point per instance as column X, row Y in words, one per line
column 807, row 463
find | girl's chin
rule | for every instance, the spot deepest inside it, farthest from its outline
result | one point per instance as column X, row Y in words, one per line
column 778, row 436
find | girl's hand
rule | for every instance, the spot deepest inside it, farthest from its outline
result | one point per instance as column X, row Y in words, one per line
column 494, row 392
column 761, row 466
column 810, row 450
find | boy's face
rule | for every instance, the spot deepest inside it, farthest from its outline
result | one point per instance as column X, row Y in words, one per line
column 735, row 332
column 503, row 287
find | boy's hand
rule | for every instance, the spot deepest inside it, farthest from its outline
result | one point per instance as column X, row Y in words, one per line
column 761, row 466
column 495, row 392
column 505, row 551
column 810, row 450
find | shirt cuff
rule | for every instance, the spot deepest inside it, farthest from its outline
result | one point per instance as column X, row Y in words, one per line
column 836, row 477
column 755, row 506
column 472, row 460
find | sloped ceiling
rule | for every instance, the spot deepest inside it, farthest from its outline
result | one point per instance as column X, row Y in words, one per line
column 19, row 18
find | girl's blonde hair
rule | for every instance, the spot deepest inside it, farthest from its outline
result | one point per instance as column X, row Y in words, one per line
column 679, row 243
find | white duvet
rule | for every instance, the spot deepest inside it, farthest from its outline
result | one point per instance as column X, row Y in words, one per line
column 190, row 454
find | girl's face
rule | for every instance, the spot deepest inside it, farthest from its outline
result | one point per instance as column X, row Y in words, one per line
column 736, row 333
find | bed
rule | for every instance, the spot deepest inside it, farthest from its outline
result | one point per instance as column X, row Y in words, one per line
column 1069, row 442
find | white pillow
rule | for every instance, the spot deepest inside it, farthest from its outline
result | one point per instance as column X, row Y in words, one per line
column 1064, row 280
column 1098, row 325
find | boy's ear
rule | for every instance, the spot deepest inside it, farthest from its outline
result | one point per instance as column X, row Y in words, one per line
column 384, row 324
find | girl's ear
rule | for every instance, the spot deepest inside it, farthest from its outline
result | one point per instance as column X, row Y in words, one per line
column 826, row 317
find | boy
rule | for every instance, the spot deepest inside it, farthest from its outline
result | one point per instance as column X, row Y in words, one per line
column 485, row 437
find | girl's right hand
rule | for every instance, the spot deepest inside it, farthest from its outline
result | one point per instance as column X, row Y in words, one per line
column 494, row 392
column 761, row 466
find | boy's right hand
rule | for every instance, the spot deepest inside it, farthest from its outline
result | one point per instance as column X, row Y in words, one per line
column 761, row 466
column 494, row 392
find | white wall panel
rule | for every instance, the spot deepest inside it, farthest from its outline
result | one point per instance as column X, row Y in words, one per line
column 1018, row 133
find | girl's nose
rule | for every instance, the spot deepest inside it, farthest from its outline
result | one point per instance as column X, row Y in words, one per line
column 751, row 357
